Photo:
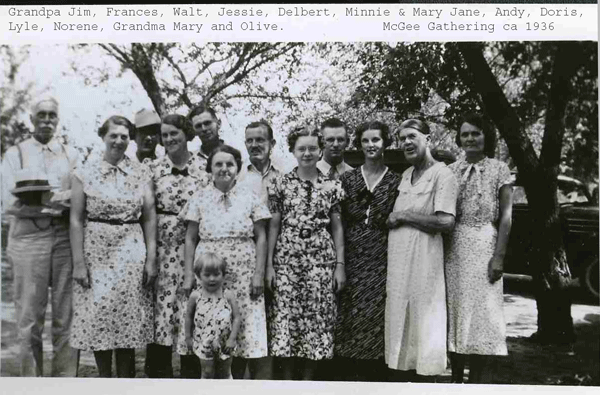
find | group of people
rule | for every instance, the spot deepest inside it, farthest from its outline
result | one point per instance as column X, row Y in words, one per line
column 325, row 272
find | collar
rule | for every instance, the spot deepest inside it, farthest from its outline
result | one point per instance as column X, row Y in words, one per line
column 53, row 145
column 204, row 155
column 324, row 166
column 252, row 169
column 124, row 166
column 318, row 182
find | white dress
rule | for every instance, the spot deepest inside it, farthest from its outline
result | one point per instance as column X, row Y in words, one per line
column 415, row 312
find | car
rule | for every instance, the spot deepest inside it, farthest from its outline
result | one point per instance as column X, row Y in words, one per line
column 579, row 224
column 578, row 217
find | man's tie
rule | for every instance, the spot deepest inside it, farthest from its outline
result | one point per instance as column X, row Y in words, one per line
column 176, row 172
column 333, row 173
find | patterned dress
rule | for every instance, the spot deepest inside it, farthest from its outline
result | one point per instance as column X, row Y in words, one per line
column 116, row 311
column 172, row 189
column 212, row 325
column 415, row 311
column 475, row 307
column 226, row 228
column 360, row 327
column 303, row 313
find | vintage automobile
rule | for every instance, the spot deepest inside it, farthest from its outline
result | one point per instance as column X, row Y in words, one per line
column 579, row 223
column 578, row 215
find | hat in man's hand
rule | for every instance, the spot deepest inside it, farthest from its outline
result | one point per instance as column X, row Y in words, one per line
column 28, row 181
column 146, row 117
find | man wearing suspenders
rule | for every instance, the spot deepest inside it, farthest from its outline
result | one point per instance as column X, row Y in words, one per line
column 38, row 249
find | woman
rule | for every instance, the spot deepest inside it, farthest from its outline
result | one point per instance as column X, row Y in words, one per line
column 175, row 177
column 113, row 241
column 305, row 267
column 415, row 314
column 230, row 220
column 371, row 191
column 475, row 258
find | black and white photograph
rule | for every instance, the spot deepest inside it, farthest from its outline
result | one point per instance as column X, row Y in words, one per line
column 375, row 211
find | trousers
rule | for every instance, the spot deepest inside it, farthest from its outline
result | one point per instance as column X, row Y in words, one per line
column 40, row 254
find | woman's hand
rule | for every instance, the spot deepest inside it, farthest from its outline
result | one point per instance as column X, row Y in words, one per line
column 270, row 279
column 150, row 274
column 495, row 268
column 230, row 345
column 339, row 278
column 394, row 219
column 186, row 288
column 81, row 275
column 257, row 285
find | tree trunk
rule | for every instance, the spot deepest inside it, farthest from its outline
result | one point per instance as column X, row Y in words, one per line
column 538, row 176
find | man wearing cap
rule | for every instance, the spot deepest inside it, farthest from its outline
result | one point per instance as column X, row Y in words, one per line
column 35, row 197
column 147, row 128
column 335, row 138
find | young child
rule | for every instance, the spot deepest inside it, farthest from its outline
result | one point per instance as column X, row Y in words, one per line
column 213, row 319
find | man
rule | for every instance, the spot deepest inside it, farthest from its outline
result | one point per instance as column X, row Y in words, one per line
column 259, row 143
column 147, row 125
column 336, row 140
column 39, row 250
column 206, row 126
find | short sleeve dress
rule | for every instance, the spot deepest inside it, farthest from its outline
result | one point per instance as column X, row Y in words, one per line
column 415, row 313
column 303, row 311
column 226, row 228
column 359, row 330
column 172, row 189
column 475, row 307
column 116, row 311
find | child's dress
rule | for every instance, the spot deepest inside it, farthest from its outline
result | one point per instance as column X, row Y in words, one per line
column 212, row 326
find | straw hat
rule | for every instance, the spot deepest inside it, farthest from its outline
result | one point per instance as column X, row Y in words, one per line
column 146, row 117
column 28, row 181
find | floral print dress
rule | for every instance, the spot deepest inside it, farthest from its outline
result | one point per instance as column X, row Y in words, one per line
column 303, row 313
column 116, row 311
column 212, row 325
column 226, row 228
column 172, row 189
column 475, row 307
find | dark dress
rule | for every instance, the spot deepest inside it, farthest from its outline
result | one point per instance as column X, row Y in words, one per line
column 360, row 327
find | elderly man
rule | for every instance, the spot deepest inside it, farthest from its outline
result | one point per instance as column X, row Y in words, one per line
column 147, row 129
column 39, row 250
column 336, row 140
column 206, row 126
column 259, row 143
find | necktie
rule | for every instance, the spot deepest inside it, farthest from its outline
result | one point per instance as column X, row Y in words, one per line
column 175, row 171
column 333, row 174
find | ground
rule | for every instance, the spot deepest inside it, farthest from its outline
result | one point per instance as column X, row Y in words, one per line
column 527, row 362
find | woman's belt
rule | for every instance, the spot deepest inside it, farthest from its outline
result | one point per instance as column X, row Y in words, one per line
column 113, row 221
column 165, row 212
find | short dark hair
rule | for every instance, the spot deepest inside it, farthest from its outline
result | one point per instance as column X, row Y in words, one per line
column 332, row 123
column 303, row 131
column 181, row 123
column 489, row 134
column 237, row 155
column 262, row 122
column 373, row 125
column 117, row 120
column 416, row 124
column 202, row 108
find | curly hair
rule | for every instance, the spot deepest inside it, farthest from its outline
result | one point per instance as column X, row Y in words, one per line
column 304, row 131
column 237, row 156
column 373, row 125
column 180, row 122
column 117, row 120
column 489, row 134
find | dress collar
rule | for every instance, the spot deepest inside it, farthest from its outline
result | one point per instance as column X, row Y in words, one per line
column 124, row 166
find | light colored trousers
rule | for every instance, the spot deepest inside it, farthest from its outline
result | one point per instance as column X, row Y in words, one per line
column 40, row 254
